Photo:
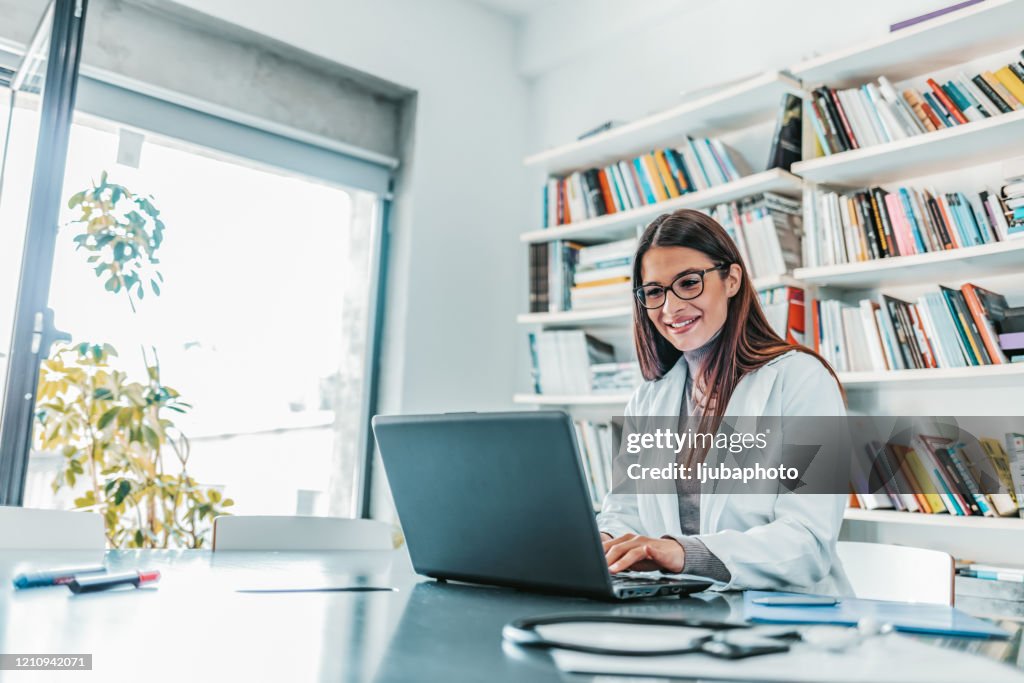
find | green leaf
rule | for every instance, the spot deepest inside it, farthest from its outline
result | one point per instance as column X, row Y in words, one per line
column 138, row 538
column 107, row 417
column 155, row 286
column 123, row 489
column 102, row 394
column 151, row 437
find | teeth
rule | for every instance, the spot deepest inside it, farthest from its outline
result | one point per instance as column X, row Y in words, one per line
column 685, row 323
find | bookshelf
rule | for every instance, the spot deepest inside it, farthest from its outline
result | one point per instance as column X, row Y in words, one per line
column 949, row 41
column 945, row 41
column 972, row 144
column 990, row 376
column 939, row 520
column 611, row 316
column 997, row 258
column 623, row 223
column 735, row 106
column 602, row 400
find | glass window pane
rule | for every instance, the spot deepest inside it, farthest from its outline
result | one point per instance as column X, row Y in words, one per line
column 20, row 99
column 260, row 324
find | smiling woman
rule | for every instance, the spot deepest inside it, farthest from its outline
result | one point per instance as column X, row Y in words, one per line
column 706, row 349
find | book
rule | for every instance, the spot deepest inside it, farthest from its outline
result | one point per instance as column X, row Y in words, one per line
column 786, row 148
column 913, row 21
column 1000, row 462
column 984, row 306
column 1011, row 82
column 1015, row 463
column 562, row 360
column 986, row 88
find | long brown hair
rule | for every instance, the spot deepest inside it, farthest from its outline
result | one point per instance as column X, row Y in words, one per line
column 746, row 342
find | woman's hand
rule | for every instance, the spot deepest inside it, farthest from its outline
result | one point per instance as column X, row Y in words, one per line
column 643, row 554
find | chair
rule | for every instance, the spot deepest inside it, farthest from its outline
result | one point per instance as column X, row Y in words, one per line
column 259, row 532
column 32, row 529
column 880, row 571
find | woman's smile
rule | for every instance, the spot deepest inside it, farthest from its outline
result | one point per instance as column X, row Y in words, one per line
column 681, row 325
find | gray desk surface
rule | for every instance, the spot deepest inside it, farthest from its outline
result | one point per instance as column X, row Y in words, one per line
column 196, row 627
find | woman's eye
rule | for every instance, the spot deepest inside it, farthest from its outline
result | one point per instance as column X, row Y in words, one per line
column 689, row 283
column 654, row 293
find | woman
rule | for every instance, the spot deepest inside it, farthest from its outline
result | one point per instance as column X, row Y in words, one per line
column 705, row 347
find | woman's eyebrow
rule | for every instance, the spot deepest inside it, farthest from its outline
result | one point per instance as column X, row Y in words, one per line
column 675, row 277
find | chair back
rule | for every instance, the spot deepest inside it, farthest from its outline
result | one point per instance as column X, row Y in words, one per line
column 261, row 532
column 879, row 571
column 33, row 529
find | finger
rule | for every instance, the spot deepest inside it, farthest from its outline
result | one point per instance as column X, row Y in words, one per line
column 634, row 555
column 619, row 549
column 621, row 539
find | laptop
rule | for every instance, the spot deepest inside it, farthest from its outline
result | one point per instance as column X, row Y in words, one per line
column 501, row 499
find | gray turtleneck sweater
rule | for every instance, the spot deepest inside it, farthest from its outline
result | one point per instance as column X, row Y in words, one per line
column 698, row 559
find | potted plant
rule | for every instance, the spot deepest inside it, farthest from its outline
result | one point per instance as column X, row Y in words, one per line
column 118, row 434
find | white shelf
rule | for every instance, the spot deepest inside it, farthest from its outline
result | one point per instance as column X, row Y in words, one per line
column 978, row 142
column 736, row 106
column 941, row 519
column 951, row 265
column 763, row 283
column 613, row 315
column 578, row 400
column 621, row 315
column 623, row 223
column 936, row 44
column 1008, row 374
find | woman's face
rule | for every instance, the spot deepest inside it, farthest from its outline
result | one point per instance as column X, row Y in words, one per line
column 688, row 325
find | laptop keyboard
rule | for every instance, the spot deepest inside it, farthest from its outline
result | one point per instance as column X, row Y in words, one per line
column 643, row 579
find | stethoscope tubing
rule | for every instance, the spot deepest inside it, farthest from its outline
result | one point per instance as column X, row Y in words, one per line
column 523, row 633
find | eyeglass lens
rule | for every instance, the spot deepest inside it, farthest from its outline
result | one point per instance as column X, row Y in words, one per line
column 686, row 287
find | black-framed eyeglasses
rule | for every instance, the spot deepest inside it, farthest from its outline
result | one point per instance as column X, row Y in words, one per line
column 686, row 286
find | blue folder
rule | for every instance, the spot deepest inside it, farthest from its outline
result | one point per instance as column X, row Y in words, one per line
column 904, row 616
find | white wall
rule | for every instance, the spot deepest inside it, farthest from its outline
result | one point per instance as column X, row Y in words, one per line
column 592, row 61
column 456, row 261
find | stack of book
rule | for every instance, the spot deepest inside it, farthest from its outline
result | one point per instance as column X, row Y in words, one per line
column 876, row 113
column 996, row 590
column 945, row 329
column 767, row 229
column 562, row 359
column 784, row 308
column 1012, row 195
column 655, row 177
column 614, row 377
column 552, row 265
column 602, row 275
column 595, row 441
column 934, row 474
column 874, row 223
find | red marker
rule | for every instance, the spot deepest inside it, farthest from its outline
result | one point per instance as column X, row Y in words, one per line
column 102, row 582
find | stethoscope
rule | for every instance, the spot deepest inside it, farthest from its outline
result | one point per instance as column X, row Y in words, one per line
column 717, row 643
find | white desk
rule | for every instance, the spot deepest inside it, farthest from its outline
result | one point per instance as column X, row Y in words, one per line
column 195, row 627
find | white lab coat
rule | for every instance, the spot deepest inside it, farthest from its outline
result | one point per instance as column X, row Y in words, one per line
column 767, row 541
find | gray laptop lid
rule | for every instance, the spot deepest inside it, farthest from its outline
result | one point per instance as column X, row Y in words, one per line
column 494, row 498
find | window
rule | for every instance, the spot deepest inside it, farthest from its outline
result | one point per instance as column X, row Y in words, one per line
column 261, row 322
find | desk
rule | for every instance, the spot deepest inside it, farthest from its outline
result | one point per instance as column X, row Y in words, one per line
column 195, row 626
